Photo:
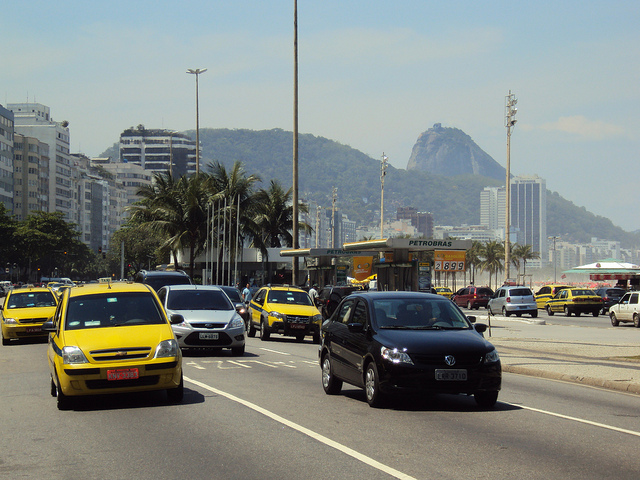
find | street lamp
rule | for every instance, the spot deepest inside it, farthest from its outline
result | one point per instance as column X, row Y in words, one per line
column 383, row 173
column 197, row 72
column 555, row 261
column 510, row 122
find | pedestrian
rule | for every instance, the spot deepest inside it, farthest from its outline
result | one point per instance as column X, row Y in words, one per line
column 246, row 294
column 313, row 293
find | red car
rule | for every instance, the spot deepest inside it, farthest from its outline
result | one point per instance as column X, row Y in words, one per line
column 472, row 297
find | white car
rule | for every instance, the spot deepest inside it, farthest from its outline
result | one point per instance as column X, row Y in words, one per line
column 210, row 319
column 515, row 300
column 626, row 310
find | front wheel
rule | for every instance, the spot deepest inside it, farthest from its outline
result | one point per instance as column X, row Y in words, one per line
column 237, row 351
column 375, row 398
column 330, row 383
column 5, row 341
column 486, row 399
column 175, row 395
column 567, row 312
column 264, row 333
column 549, row 311
column 251, row 331
column 614, row 319
column 636, row 320
column 595, row 313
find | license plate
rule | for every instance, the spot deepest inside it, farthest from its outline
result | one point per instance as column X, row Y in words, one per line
column 34, row 329
column 123, row 374
column 208, row 336
column 299, row 326
column 456, row 375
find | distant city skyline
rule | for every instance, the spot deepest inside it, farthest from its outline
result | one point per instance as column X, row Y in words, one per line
column 373, row 75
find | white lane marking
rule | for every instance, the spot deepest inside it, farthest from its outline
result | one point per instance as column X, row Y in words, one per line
column 284, row 364
column 274, row 351
column 310, row 433
column 261, row 363
column 315, row 364
column 576, row 419
column 238, row 363
column 194, row 364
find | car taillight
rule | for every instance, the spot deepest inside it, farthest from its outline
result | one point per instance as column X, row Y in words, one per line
column 508, row 299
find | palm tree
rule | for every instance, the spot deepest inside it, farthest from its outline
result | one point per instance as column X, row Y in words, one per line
column 492, row 253
column 472, row 258
column 523, row 253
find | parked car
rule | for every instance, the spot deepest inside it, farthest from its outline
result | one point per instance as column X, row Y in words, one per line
column 575, row 301
column 284, row 310
column 209, row 319
column 472, row 297
column 112, row 338
column 626, row 310
column 444, row 291
column 25, row 310
column 513, row 300
column 395, row 342
column 330, row 296
column 610, row 296
column 547, row 292
column 159, row 278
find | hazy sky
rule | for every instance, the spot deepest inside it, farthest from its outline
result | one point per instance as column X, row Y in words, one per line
column 373, row 75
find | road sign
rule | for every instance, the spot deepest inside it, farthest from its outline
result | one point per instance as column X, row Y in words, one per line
column 449, row 260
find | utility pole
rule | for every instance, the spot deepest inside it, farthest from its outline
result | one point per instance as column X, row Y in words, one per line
column 294, row 259
column 510, row 122
column 318, row 209
column 383, row 173
column 197, row 72
column 333, row 217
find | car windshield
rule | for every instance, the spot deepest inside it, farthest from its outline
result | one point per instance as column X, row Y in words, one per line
column 289, row 297
column 423, row 313
column 31, row 299
column 198, row 300
column 112, row 310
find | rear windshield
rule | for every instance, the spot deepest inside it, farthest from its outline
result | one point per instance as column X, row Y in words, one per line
column 485, row 291
column 520, row 292
column 583, row 292
column 113, row 310
column 158, row 281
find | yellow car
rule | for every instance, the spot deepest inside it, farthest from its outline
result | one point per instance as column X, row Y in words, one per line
column 24, row 311
column 546, row 293
column 445, row 292
column 112, row 338
column 576, row 301
column 285, row 310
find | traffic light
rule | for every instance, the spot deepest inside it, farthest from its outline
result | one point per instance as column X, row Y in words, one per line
column 99, row 249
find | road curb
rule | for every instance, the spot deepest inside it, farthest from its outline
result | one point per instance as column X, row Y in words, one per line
column 620, row 385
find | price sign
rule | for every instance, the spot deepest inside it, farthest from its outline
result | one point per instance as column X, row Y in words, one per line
column 449, row 261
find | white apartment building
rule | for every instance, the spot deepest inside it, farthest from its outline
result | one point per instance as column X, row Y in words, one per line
column 31, row 176
column 6, row 158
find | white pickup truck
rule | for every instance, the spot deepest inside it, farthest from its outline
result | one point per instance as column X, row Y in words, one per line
column 626, row 310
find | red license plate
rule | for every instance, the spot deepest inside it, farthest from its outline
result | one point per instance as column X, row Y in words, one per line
column 34, row 329
column 300, row 326
column 123, row 374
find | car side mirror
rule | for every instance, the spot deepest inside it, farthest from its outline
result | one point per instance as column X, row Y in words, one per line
column 176, row 318
column 355, row 327
column 471, row 318
column 48, row 326
column 480, row 327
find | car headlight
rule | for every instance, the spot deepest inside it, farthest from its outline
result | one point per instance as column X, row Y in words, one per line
column 167, row 348
column 317, row 319
column 492, row 356
column 72, row 355
column 394, row 355
column 10, row 321
column 278, row 315
column 236, row 322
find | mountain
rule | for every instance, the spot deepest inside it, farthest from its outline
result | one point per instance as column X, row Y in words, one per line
column 324, row 164
column 450, row 152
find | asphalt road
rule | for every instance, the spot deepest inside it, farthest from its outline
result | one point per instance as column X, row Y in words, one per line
column 265, row 416
column 601, row 321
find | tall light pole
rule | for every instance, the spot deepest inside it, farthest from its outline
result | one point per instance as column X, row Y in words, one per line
column 383, row 173
column 510, row 122
column 197, row 72
column 333, row 217
column 555, row 261
column 294, row 213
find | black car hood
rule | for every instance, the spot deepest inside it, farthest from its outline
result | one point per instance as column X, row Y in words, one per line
column 433, row 341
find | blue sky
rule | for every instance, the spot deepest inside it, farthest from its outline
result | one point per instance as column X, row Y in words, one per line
column 373, row 75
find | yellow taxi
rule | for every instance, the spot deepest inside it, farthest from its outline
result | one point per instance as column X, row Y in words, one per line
column 575, row 301
column 112, row 338
column 285, row 310
column 547, row 292
column 25, row 310
column 445, row 292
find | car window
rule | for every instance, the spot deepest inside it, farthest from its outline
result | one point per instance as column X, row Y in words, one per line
column 359, row 314
column 583, row 292
column 625, row 298
column 418, row 313
column 520, row 292
column 198, row 300
column 485, row 291
column 289, row 297
column 501, row 293
column 345, row 311
column 111, row 310
column 634, row 299
column 31, row 300
column 259, row 299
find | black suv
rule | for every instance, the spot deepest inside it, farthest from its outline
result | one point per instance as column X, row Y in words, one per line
column 610, row 296
column 157, row 279
column 330, row 296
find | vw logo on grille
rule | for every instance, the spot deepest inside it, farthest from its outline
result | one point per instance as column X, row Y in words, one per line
column 450, row 360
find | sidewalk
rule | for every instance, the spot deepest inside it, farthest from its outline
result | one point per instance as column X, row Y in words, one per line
column 607, row 357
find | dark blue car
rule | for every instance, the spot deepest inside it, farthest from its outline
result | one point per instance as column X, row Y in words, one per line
column 392, row 342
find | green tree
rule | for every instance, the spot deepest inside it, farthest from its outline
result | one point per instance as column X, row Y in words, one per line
column 492, row 257
column 523, row 253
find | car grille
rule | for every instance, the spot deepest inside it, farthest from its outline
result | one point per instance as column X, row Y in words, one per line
column 298, row 319
column 120, row 354
column 207, row 325
column 462, row 360
column 32, row 320
column 137, row 382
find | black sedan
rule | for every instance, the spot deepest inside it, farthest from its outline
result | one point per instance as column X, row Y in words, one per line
column 391, row 342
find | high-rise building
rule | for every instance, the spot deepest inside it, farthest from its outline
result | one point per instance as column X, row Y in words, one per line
column 492, row 208
column 34, row 120
column 422, row 221
column 158, row 150
column 6, row 158
column 31, row 176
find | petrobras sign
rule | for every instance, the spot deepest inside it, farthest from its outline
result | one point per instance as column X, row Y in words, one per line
column 334, row 252
column 429, row 244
